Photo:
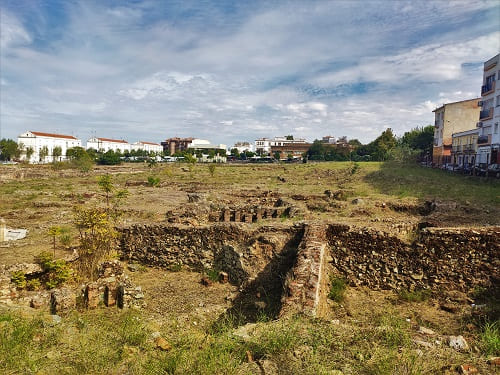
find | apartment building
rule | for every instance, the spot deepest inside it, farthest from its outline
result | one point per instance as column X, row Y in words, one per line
column 39, row 146
column 452, row 118
column 489, row 116
column 263, row 146
column 464, row 148
column 176, row 144
column 243, row 146
column 107, row 144
column 147, row 146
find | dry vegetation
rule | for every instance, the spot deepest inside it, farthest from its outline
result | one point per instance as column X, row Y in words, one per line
column 368, row 332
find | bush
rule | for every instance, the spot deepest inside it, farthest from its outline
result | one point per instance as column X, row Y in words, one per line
column 33, row 284
column 337, row 289
column 153, row 181
column 57, row 271
column 18, row 278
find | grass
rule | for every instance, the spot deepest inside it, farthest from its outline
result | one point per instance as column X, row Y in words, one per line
column 419, row 295
column 337, row 289
column 490, row 338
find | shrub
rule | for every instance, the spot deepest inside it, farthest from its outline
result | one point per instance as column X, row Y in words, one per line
column 337, row 289
column 153, row 181
column 57, row 271
column 18, row 278
column 211, row 169
column 33, row 284
column 212, row 274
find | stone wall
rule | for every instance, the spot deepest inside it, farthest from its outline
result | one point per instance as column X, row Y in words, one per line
column 440, row 258
column 306, row 287
column 241, row 250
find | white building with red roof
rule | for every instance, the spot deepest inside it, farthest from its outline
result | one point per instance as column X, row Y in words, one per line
column 106, row 144
column 40, row 147
column 147, row 146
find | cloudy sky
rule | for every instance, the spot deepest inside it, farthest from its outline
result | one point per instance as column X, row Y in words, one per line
column 238, row 70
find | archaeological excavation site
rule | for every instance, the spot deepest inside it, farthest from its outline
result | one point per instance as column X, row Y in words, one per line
column 323, row 268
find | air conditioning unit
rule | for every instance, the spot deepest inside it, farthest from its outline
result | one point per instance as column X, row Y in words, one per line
column 480, row 124
column 480, row 103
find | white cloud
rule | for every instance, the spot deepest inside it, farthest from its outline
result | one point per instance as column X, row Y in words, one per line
column 12, row 31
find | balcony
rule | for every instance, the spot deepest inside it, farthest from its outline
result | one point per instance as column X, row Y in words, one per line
column 486, row 114
column 488, row 88
column 456, row 149
column 470, row 147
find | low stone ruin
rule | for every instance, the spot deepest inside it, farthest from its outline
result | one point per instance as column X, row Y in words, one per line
column 113, row 288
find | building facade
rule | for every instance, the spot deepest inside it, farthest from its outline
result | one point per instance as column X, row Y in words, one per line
column 173, row 145
column 41, row 146
column 452, row 118
column 289, row 150
column 243, row 146
column 263, row 146
column 107, row 144
column 147, row 146
column 464, row 148
column 489, row 116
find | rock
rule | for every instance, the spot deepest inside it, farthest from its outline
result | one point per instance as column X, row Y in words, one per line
column 27, row 268
column 246, row 331
column 467, row 369
column 335, row 322
column 206, row 281
column 133, row 267
column 155, row 334
column 56, row 319
column 426, row 331
column 62, row 300
column 458, row 343
column 223, row 277
column 424, row 344
column 162, row 344
column 37, row 302
column 357, row 201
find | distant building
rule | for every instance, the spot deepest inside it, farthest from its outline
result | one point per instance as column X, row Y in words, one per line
column 288, row 150
column 263, row 145
column 489, row 116
column 106, row 144
column 464, row 148
column 38, row 140
column 147, row 146
column 329, row 139
column 173, row 145
column 451, row 118
column 243, row 146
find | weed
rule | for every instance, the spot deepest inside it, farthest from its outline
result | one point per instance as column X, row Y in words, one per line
column 490, row 338
column 211, row 169
column 393, row 331
column 337, row 289
column 419, row 295
column 33, row 284
column 212, row 274
column 176, row 267
column 354, row 168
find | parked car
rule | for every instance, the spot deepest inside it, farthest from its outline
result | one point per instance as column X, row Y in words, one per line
column 482, row 169
column 493, row 170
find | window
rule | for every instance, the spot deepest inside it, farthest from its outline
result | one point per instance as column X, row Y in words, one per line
column 490, row 79
column 496, row 128
column 498, row 100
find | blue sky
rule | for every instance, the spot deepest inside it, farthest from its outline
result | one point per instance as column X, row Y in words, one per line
column 236, row 70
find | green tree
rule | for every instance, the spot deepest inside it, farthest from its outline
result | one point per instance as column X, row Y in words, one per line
column 211, row 169
column 106, row 184
column 109, row 158
column 419, row 138
column 29, row 153
column 277, row 155
column 44, row 152
column 9, row 150
column 289, row 137
column 80, row 158
column 56, row 153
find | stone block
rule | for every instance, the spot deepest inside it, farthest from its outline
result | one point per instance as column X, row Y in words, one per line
column 92, row 296
column 62, row 300
column 237, row 216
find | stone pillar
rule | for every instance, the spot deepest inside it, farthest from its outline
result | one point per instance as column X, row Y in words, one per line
column 62, row 300
column 248, row 217
column 3, row 230
column 226, row 216
column 237, row 216
column 92, row 295
column 258, row 213
column 110, row 294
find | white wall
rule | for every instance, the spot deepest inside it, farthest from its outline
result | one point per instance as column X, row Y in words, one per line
column 37, row 142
